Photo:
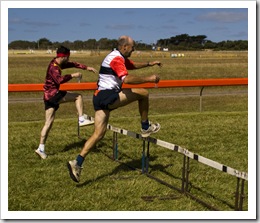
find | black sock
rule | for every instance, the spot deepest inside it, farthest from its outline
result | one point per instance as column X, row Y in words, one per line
column 80, row 160
column 145, row 125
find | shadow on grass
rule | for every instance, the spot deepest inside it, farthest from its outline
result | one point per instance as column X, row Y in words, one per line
column 78, row 144
column 136, row 165
column 126, row 163
column 74, row 145
column 118, row 169
column 207, row 194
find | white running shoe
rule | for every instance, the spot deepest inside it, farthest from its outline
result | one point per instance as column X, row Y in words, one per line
column 87, row 121
column 42, row 154
column 153, row 128
column 74, row 170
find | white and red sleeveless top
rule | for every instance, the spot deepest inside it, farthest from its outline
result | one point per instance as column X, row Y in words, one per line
column 113, row 70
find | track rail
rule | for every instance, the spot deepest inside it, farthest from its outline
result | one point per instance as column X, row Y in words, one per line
column 162, row 84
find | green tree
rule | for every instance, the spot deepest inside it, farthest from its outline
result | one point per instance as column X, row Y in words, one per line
column 179, row 42
column 21, row 44
column 44, row 44
column 78, row 45
column 90, row 44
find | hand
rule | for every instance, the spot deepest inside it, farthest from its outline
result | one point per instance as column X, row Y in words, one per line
column 92, row 69
column 77, row 75
column 155, row 78
column 155, row 63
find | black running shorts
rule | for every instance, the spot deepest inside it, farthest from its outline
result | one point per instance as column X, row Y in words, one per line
column 103, row 98
column 54, row 101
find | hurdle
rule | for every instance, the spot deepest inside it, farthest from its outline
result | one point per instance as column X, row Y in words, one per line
column 187, row 155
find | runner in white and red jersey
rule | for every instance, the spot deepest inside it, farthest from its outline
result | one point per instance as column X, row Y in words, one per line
column 113, row 70
column 53, row 96
column 110, row 95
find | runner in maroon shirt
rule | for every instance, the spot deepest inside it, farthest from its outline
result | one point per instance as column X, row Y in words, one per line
column 53, row 97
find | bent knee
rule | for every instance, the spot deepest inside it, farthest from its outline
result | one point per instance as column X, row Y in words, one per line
column 142, row 92
column 79, row 96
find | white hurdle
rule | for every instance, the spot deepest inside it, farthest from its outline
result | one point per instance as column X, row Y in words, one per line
column 170, row 146
column 239, row 196
column 241, row 176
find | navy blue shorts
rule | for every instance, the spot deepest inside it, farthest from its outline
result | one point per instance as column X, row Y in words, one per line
column 102, row 99
column 54, row 101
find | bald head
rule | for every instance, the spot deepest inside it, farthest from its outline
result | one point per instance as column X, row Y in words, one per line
column 125, row 40
column 126, row 45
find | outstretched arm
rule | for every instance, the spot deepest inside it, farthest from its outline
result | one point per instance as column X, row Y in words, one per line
column 80, row 66
column 91, row 69
column 137, row 65
column 132, row 79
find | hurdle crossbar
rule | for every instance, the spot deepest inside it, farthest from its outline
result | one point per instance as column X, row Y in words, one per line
column 161, row 84
column 174, row 147
column 187, row 155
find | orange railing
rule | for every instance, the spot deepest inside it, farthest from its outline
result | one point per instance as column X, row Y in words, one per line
column 161, row 84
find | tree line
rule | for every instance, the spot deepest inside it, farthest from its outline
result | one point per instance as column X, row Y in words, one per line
column 179, row 42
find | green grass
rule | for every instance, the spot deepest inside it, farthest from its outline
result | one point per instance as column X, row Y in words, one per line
column 219, row 133
column 105, row 182
column 207, row 134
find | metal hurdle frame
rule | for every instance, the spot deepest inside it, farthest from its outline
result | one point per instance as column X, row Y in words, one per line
column 187, row 155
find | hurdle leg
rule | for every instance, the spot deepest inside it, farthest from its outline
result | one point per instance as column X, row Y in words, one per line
column 239, row 195
column 115, row 146
column 78, row 130
column 242, row 196
column 185, row 174
column 147, row 156
column 143, row 157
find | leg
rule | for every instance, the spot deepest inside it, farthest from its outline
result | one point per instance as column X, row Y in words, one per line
column 127, row 96
column 49, row 118
column 101, row 121
column 83, row 119
column 70, row 97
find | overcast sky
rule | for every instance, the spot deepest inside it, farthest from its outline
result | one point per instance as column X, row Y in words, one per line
column 146, row 25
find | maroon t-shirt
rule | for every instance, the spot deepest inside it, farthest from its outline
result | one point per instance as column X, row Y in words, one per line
column 54, row 78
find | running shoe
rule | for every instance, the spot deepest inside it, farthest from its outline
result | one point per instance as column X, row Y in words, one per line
column 74, row 170
column 41, row 153
column 87, row 121
column 153, row 128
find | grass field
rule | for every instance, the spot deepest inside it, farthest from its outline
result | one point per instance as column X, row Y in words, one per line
column 219, row 133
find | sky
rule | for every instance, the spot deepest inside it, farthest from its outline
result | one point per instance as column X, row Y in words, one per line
column 146, row 25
